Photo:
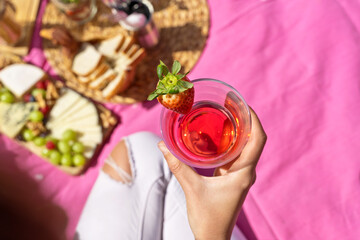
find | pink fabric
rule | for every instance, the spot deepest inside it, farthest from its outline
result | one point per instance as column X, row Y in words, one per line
column 297, row 63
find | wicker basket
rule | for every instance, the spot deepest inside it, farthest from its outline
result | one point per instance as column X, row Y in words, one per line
column 183, row 27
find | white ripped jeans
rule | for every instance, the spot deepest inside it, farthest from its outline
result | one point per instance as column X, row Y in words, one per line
column 152, row 207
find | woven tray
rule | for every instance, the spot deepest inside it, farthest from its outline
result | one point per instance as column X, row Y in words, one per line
column 25, row 15
column 7, row 59
column 183, row 27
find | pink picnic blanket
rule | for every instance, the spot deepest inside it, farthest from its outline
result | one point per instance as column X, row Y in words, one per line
column 297, row 64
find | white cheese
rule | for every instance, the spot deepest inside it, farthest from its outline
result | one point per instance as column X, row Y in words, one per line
column 94, row 137
column 63, row 104
column 89, row 110
column 79, row 128
column 80, row 116
column 20, row 77
column 88, row 153
column 90, row 144
column 72, row 110
column 77, row 125
column 90, row 119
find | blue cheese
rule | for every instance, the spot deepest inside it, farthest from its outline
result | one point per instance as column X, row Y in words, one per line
column 14, row 116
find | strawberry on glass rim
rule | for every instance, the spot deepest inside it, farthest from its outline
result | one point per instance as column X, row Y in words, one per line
column 174, row 91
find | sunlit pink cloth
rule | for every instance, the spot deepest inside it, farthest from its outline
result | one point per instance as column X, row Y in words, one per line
column 297, row 63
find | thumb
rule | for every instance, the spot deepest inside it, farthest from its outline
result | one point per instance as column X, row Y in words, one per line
column 183, row 173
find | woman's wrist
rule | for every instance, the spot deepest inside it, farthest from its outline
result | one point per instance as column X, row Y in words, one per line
column 212, row 236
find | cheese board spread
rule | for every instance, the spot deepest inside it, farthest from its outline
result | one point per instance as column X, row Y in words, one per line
column 55, row 122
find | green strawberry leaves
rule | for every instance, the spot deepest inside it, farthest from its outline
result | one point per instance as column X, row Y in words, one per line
column 153, row 95
column 186, row 84
column 162, row 70
column 175, row 67
column 170, row 82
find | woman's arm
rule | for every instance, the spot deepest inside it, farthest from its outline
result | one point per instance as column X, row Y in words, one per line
column 213, row 203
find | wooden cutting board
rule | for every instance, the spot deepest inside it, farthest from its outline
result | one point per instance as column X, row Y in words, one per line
column 26, row 12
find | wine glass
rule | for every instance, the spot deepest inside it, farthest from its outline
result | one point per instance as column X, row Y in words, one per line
column 216, row 129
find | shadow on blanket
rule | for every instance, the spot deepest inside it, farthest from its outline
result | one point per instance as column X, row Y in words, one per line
column 25, row 213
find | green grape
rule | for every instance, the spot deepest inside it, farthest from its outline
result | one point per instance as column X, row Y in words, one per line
column 71, row 142
column 69, row 135
column 66, row 159
column 3, row 90
column 36, row 91
column 39, row 141
column 7, row 97
column 36, row 116
column 28, row 135
column 79, row 160
column 45, row 152
column 64, row 147
column 55, row 157
column 78, row 147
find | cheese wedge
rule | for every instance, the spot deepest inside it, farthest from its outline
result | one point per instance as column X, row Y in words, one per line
column 63, row 104
column 94, row 131
column 20, row 77
column 86, row 60
column 75, row 109
column 89, row 114
column 78, row 124
column 84, row 108
column 96, row 137
column 90, row 130
column 82, row 112
column 90, row 145
column 90, row 119
column 14, row 116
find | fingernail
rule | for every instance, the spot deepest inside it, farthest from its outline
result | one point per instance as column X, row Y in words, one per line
column 163, row 147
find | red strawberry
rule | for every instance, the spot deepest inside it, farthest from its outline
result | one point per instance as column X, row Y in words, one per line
column 46, row 83
column 174, row 91
column 44, row 110
column 40, row 85
column 27, row 97
column 50, row 145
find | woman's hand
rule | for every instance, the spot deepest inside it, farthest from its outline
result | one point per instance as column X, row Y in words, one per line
column 213, row 203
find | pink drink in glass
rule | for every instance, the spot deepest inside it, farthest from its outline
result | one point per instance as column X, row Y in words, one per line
column 214, row 131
